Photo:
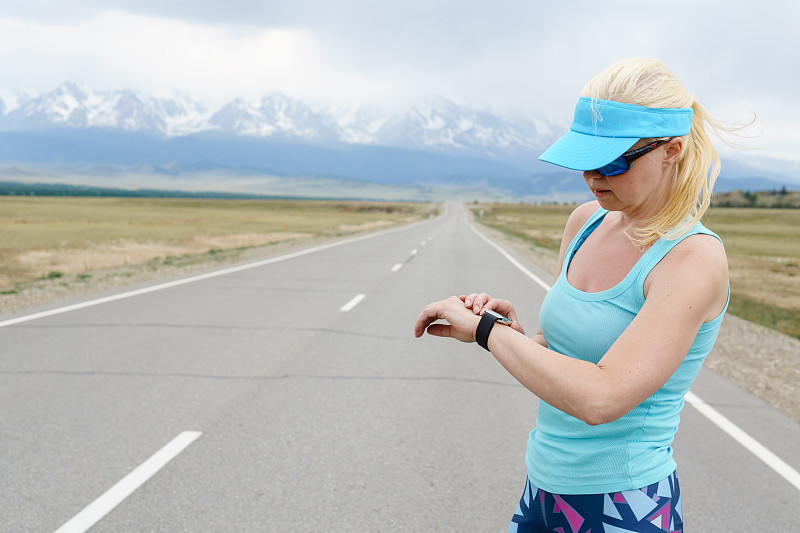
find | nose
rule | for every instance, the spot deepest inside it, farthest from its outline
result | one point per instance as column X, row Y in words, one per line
column 592, row 175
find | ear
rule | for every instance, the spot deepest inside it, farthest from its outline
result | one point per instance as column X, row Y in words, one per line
column 673, row 151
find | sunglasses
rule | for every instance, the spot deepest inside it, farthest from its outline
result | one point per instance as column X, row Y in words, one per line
column 623, row 163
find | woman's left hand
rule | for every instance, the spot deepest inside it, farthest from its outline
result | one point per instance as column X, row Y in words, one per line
column 461, row 322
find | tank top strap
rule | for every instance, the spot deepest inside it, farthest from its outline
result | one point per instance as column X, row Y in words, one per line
column 588, row 227
column 658, row 251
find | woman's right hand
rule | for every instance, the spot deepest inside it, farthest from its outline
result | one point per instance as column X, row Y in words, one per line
column 478, row 301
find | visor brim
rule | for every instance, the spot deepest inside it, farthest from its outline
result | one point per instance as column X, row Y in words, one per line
column 578, row 151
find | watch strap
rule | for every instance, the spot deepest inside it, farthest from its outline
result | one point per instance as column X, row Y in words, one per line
column 484, row 328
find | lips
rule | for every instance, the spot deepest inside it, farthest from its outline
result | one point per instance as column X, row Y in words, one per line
column 600, row 193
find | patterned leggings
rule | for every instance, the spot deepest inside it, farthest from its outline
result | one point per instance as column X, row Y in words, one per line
column 653, row 509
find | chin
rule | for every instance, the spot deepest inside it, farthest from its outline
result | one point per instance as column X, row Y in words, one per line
column 604, row 198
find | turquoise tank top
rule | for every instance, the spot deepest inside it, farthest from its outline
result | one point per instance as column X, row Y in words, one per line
column 567, row 456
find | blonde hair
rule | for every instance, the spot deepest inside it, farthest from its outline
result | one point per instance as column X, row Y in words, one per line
column 650, row 83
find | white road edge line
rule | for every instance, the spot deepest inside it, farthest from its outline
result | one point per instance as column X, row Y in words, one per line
column 414, row 251
column 738, row 434
column 103, row 505
column 154, row 288
column 513, row 261
column 353, row 302
column 753, row 446
column 397, row 267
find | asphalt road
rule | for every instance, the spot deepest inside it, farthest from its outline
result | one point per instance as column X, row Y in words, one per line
column 315, row 418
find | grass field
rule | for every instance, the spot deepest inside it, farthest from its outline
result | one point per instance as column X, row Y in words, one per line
column 48, row 237
column 763, row 247
column 51, row 237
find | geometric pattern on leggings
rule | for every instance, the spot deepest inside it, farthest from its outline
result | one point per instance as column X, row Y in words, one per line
column 653, row 509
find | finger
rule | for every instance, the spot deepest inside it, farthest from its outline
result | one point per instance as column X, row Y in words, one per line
column 504, row 307
column 480, row 302
column 518, row 327
column 429, row 314
column 421, row 325
column 446, row 330
column 440, row 330
column 495, row 305
column 468, row 301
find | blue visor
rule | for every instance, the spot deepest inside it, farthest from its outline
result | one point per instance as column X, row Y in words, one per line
column 603, row 130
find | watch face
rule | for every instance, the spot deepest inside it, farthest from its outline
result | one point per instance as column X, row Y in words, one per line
column 498, row 317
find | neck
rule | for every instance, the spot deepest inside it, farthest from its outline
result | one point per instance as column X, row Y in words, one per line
column 638, row 216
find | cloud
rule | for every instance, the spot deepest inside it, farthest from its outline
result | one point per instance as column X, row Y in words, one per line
column 120, row 50
column 532, row 56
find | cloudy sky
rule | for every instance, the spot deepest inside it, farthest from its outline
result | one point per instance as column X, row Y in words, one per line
column 738, row 56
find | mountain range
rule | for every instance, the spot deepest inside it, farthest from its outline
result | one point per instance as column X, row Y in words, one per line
column 437, row 143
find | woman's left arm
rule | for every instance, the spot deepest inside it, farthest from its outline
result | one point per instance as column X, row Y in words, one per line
column 685, row 290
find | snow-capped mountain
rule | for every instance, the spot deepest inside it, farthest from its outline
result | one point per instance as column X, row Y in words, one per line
column 448, row 127
column 275, row 115
column 438, row 140
column 74, row 105
column 12, row 99
column 438, row 126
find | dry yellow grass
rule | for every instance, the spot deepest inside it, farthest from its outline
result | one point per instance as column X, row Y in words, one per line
column 51, row 236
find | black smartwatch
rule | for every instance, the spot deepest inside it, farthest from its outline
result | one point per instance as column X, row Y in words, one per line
column 488, row 320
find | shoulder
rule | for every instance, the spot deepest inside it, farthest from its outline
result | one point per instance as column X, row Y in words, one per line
column 575, row 222
column 578, row 218
column 701, row 252
column 698, row 268
column 584, row 211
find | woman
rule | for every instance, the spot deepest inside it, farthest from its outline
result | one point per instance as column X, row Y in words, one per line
column 636, row 306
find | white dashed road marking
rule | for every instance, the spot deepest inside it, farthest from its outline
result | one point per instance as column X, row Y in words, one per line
column 353, row 302
column 103, row 505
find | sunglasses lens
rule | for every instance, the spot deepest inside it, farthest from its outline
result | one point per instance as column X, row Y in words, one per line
column 617, row 166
